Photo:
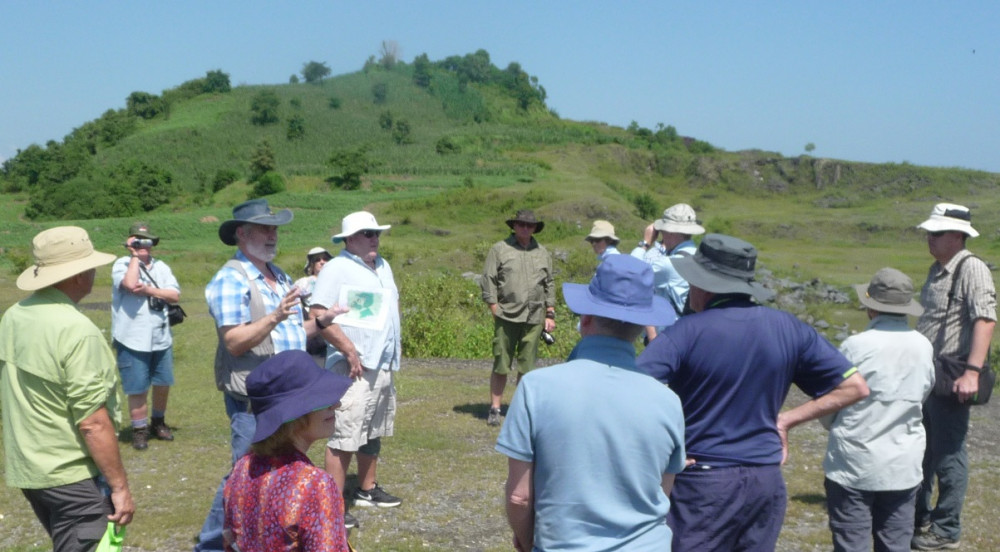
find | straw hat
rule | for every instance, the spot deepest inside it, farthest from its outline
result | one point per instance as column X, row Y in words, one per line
column 60, row 253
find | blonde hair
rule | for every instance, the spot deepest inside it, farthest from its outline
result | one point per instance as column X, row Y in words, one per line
column 280, row 442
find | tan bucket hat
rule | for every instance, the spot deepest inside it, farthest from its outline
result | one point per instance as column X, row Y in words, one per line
column 603, row 229
column 679, row 219
column 60, row 253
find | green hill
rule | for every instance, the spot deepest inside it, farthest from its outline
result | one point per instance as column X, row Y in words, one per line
column 450, row 157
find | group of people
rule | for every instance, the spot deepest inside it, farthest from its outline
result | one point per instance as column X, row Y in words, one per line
column 703, row 469
column 695, row 466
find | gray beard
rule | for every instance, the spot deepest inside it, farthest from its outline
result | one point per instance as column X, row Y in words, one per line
column 262, row 252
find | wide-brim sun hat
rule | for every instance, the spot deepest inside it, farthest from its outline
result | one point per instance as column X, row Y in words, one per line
column 889, row 291
column 290, row 385
column 526, row 216
column 622, row 289
column 356, row 222
column 602, row 229
column 311, row 256
column 60, row 253
column 949, row 217
column 723, row 264
column 255, row 211
column 141, row 230
column 679, row 219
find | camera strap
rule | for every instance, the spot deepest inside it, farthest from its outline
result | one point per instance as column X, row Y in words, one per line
column 146, row 272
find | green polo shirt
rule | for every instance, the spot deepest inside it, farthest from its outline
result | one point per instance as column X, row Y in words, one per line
column 55, row 370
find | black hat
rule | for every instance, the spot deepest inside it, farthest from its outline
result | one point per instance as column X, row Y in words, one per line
column 723, row 264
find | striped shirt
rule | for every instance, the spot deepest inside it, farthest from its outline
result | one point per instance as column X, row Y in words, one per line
column 228, row 297
column 975, row 298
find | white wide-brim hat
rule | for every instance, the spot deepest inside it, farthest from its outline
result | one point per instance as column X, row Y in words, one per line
column 356, row 222
column 603, row 229
column 60, row 253
column 948, row 217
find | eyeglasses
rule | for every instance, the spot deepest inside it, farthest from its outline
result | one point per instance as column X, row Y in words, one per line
column 371, row 233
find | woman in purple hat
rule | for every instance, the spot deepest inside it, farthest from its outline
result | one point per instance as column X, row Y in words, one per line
column 276, row 499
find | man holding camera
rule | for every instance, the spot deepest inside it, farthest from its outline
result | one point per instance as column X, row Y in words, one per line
column 517, row 286
column 141, row 287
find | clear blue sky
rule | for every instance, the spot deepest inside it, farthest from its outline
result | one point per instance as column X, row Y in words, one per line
column 887, row 81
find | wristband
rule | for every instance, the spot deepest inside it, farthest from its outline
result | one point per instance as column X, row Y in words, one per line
column 551, row 315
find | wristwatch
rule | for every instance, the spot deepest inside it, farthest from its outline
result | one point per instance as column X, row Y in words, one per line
column 644, row 244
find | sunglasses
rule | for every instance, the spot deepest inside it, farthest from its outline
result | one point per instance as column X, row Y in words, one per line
column 370, row 233
column 937, row 234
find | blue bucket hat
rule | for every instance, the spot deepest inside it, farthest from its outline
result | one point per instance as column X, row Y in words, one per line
column 621, row 290
column 255, row 211
column 288, row 386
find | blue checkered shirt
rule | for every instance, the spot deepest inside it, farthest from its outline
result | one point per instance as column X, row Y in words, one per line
column 228, row 297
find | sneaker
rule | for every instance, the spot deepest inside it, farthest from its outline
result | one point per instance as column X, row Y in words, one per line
column 375, row 496
column 350, row 521
column 494, row 418
column 140, row 438
column 932, row 541
column 161, row 430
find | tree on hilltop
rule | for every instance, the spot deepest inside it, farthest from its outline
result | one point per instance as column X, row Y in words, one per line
column 422, row 71
column 315, row 71
column 388, row 54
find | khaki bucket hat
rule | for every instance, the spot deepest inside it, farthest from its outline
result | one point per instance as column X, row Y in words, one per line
column 602, row 229
column 60, row 253
column 889, row 291
column 679, row 219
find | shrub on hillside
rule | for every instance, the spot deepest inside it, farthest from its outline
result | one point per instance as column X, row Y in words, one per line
column 223, row 178
column 380, row 93
column 153, row 186
column 446, row 146
column 385, row 120
column 296, row 127
column 401, row 132
column 350, row 166
column 262, row 160
column 128, row 189
column 264, row 108
column 334, row 102
column 145, row 105
column 269, row 183
column 315, row 71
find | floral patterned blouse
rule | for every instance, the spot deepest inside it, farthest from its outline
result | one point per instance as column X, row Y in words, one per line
column 282, row 503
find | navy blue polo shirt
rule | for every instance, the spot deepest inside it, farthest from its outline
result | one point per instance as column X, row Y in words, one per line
column 732, row 366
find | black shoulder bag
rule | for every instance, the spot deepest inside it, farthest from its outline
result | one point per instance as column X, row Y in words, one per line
column 948, row 368
column 175, row 314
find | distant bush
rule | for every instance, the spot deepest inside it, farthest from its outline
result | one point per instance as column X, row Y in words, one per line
column 145, row 105
column 153, row 185
column 422, row 71
column 446, row 146
column 223, row 178
column 296, row 127
column 262, row 160
column 268, row 183
column 385, row 120
column 315, row 71
column 334, row 102
column 350, row 166
column 294, row 79
column 646, row 206
column 128, row 189
column 401, row 132
column 380, row 93
column 264, row 108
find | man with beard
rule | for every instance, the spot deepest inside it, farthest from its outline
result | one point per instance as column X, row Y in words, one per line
column 257, row 314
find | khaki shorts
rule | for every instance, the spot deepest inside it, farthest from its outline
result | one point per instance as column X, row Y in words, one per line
column 367, row 410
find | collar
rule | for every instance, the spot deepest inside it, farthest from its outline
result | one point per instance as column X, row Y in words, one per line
column 347, row 254
column 512, row 241
column 888, row 322
column 949, row 267
column 605, row 350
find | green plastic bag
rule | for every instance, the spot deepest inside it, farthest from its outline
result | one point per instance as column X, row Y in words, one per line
column 112, row 539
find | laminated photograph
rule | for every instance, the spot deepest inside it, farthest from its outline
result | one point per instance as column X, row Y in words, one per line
column 368, row 307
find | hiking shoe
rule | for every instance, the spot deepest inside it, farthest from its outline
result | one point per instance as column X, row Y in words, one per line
column 350, row 521
column 140, row 438
column 161, row 431
column 932, row 541
column 922, row 528
column 494, row 418
column 375, row 496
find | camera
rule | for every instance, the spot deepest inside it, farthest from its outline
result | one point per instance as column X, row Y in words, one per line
column 140, row 243
column 157, row 304
column 548, row 338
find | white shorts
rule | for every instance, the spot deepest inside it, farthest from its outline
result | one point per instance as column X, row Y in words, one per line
column 367, row 410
